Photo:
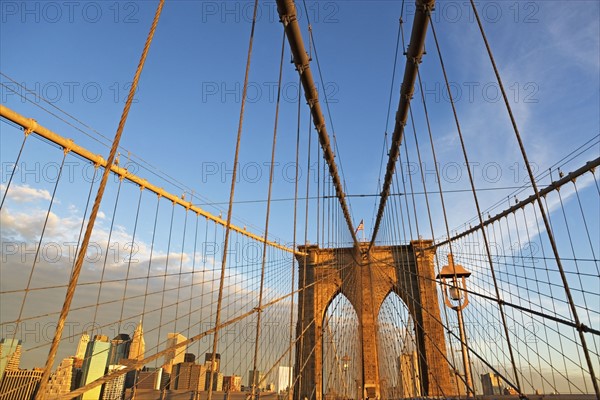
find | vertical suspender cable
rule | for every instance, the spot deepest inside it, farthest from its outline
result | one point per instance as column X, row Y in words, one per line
column 135, row 225
column 39, row 246
column 110, row 232
column 12, row 174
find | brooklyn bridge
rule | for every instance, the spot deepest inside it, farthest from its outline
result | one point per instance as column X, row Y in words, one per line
column 307, row 200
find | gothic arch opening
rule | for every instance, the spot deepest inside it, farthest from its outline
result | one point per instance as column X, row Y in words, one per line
column 341, row 350
column 398, row 362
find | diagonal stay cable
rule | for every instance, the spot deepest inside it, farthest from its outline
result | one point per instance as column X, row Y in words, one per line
column 413, row 58
column 287, row 14
column 267, row 219
column 88, row 232
column 231, row 195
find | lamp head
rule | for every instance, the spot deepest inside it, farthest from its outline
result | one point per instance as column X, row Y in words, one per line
column 453, row 270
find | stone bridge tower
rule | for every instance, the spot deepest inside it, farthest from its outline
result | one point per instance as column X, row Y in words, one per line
column 366, row 281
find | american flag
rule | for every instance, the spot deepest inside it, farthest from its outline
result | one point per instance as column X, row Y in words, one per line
column 360, row 227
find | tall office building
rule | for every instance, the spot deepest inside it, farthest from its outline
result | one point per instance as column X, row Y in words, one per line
column 214, row 365
column 150, row 378
column 218, row 385
column 175, row 355
column 189, row 357
column 94, row 365
column 180, row 378
column 61, row 379
column 113, row 389
column 188, row 376
column 232, row 383
column 20, row 384
column 492, row 384
column 10, row 355
column 138, row 345
column 82, row 345
column 410, row 381
column 283, row 378
column 137, row 349
column 84, row 340
column 217, row 380
column 256, row 378
column 119, row 349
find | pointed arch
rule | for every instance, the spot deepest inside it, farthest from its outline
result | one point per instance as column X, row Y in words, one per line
column 341, row 348
column 399, row 364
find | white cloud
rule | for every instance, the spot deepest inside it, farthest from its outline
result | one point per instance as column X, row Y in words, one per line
column 171, row 286
column 25, row 193
column 578, row 47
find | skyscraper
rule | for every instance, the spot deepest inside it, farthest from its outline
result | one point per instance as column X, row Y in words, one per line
column 20, row 383
column 492, row 383
column 189, row 357
column 61, row 379
column 113, row 389
column 232, row 383
column 119, row 349
column 150, row 378
column 138, row 345
column 10, row 355
column 217, row 380
column 136, row 353
column 256, row 378
column 94, row 365
column 214, row 365
column 174, row 356
column 283, row 378
column 82, row 345
column 189, row 376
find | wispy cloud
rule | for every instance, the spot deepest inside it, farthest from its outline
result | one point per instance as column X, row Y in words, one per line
column 25, row 193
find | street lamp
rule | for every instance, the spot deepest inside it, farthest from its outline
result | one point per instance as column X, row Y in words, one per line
column 345, row 360
column 456, row 297
column 345, row 364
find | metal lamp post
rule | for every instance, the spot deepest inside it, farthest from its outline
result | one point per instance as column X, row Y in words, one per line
column 345, row 364
column 454, row 285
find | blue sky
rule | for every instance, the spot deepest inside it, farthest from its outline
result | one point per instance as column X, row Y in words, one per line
column 82, row 59
column 81, row 56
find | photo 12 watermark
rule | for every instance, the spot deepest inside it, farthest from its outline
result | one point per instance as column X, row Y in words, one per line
column 71, row 12
column 317, row 12
column 455, row 172
column 263, row 92
column 122, row 253
column 490, row 12
column 476, row 92
column 71, row 92
column 35, row 172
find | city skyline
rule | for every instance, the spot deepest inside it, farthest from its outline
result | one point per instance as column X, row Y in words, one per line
column 96, row 354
